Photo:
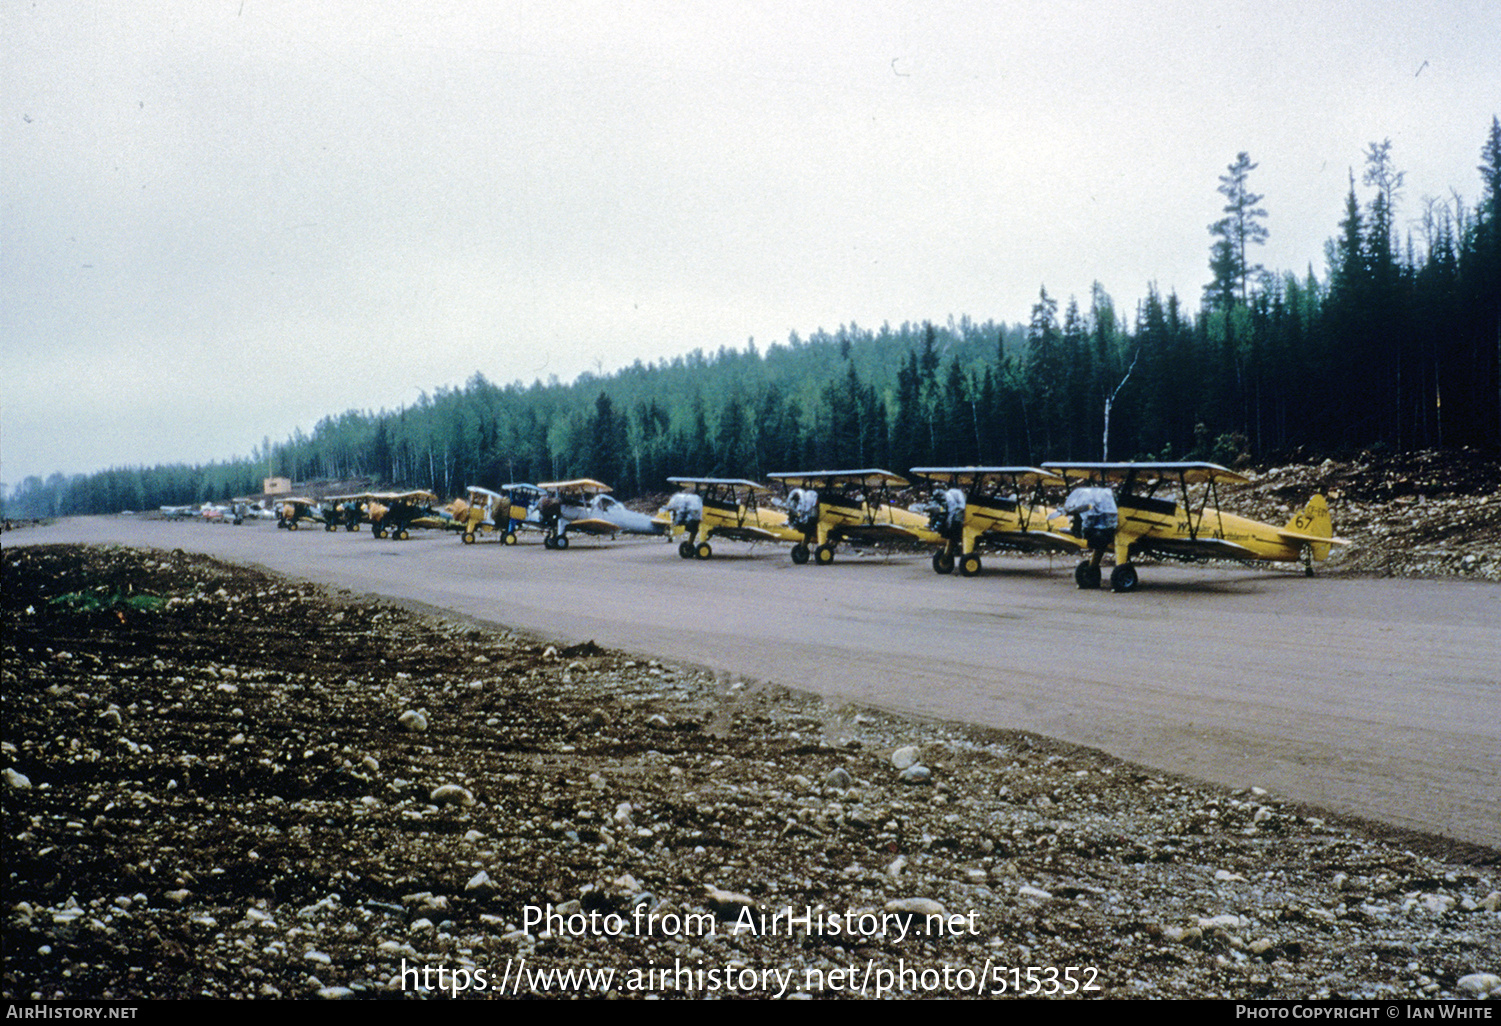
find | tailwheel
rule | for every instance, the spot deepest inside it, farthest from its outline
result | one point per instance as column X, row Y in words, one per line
column 969, row 565
column 824, row 554
column 685, row 549
column 943, row 562
column 703, row 551
column 1123, row 578
column 509, row 539
column 799, row 554
column 468, row 537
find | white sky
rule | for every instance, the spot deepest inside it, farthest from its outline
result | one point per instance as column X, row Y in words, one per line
column 220, row 221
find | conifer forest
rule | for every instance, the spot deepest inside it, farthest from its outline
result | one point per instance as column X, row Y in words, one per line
column 1391, row 346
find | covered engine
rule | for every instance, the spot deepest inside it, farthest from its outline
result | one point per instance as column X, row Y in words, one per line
column 1094, row 513
column 802, row 509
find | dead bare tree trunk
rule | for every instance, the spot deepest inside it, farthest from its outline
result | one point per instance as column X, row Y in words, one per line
column 1105, row 442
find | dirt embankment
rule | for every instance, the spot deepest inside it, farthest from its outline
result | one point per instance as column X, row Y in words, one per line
column 1420, row 514
column 222, row 783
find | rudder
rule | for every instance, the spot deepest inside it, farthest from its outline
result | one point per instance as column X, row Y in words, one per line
column 1314, row 520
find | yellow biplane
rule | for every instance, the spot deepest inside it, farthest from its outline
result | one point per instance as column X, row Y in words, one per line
column 347, row 511
column 723, row 507
column 1115, row 508
column 993, row 507
column 830, row 506
column 392, row 513
column 482, row 511
column 292, row 510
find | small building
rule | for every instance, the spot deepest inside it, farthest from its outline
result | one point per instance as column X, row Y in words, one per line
column 276, row 486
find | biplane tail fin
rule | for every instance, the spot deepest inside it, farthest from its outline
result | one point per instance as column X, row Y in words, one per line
column 1314, row 520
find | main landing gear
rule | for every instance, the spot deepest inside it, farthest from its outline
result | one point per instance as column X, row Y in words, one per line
column 1122, row 579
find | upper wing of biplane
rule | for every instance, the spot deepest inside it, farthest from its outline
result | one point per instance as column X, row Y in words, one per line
column 871, row 478
column 584, row 485
column 737, row 485
column 987, row 477
column 1119, row 473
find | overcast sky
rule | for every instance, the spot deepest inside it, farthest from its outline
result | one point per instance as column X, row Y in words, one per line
column 223, row 220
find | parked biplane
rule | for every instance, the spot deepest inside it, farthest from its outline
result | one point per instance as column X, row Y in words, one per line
column 393, row 513
column 503, row 513
column 830, row 506
column 994, row 508
column 347, row 511
column 1115, row 508
column 726, row 508
column 584, row 504
column 295, row 510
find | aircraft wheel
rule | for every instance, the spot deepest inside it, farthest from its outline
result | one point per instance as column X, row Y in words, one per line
column 402, row 535
column 561, row 542
column 799, row 554
column 969, row 565
column 468, row 537
column 704, row 551
column 292, row 526
column 685, row 549
column 943, row 562
column 1123, row 578
column 824, row 554
column 1086, row 576
column 510, row 538
column 547, row 542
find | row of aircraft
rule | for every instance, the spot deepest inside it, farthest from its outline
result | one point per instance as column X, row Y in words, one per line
column 1123, row 511
column 1116, row 511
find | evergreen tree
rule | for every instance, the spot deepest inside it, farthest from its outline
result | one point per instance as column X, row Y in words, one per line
column 1240, row 228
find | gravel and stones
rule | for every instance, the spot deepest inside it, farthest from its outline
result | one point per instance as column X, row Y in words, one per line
column 210, row 790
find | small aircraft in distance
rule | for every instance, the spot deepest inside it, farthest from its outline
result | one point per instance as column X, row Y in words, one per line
column 723, row 507
column 583, row 504
column 347, row 511
column 988, row 506
column 483, row 511
column 177, row 512
column 1114, row 508
column 829, row 506
column 295, row 509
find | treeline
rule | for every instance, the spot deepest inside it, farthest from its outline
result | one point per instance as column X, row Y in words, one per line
column 1396, row 347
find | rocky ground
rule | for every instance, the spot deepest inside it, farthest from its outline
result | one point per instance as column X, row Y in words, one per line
column 1421, row 514
column 223, row 783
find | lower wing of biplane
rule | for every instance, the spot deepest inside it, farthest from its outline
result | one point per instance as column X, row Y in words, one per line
column 990, row 508
column 1115, row 509
column 830, row 506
